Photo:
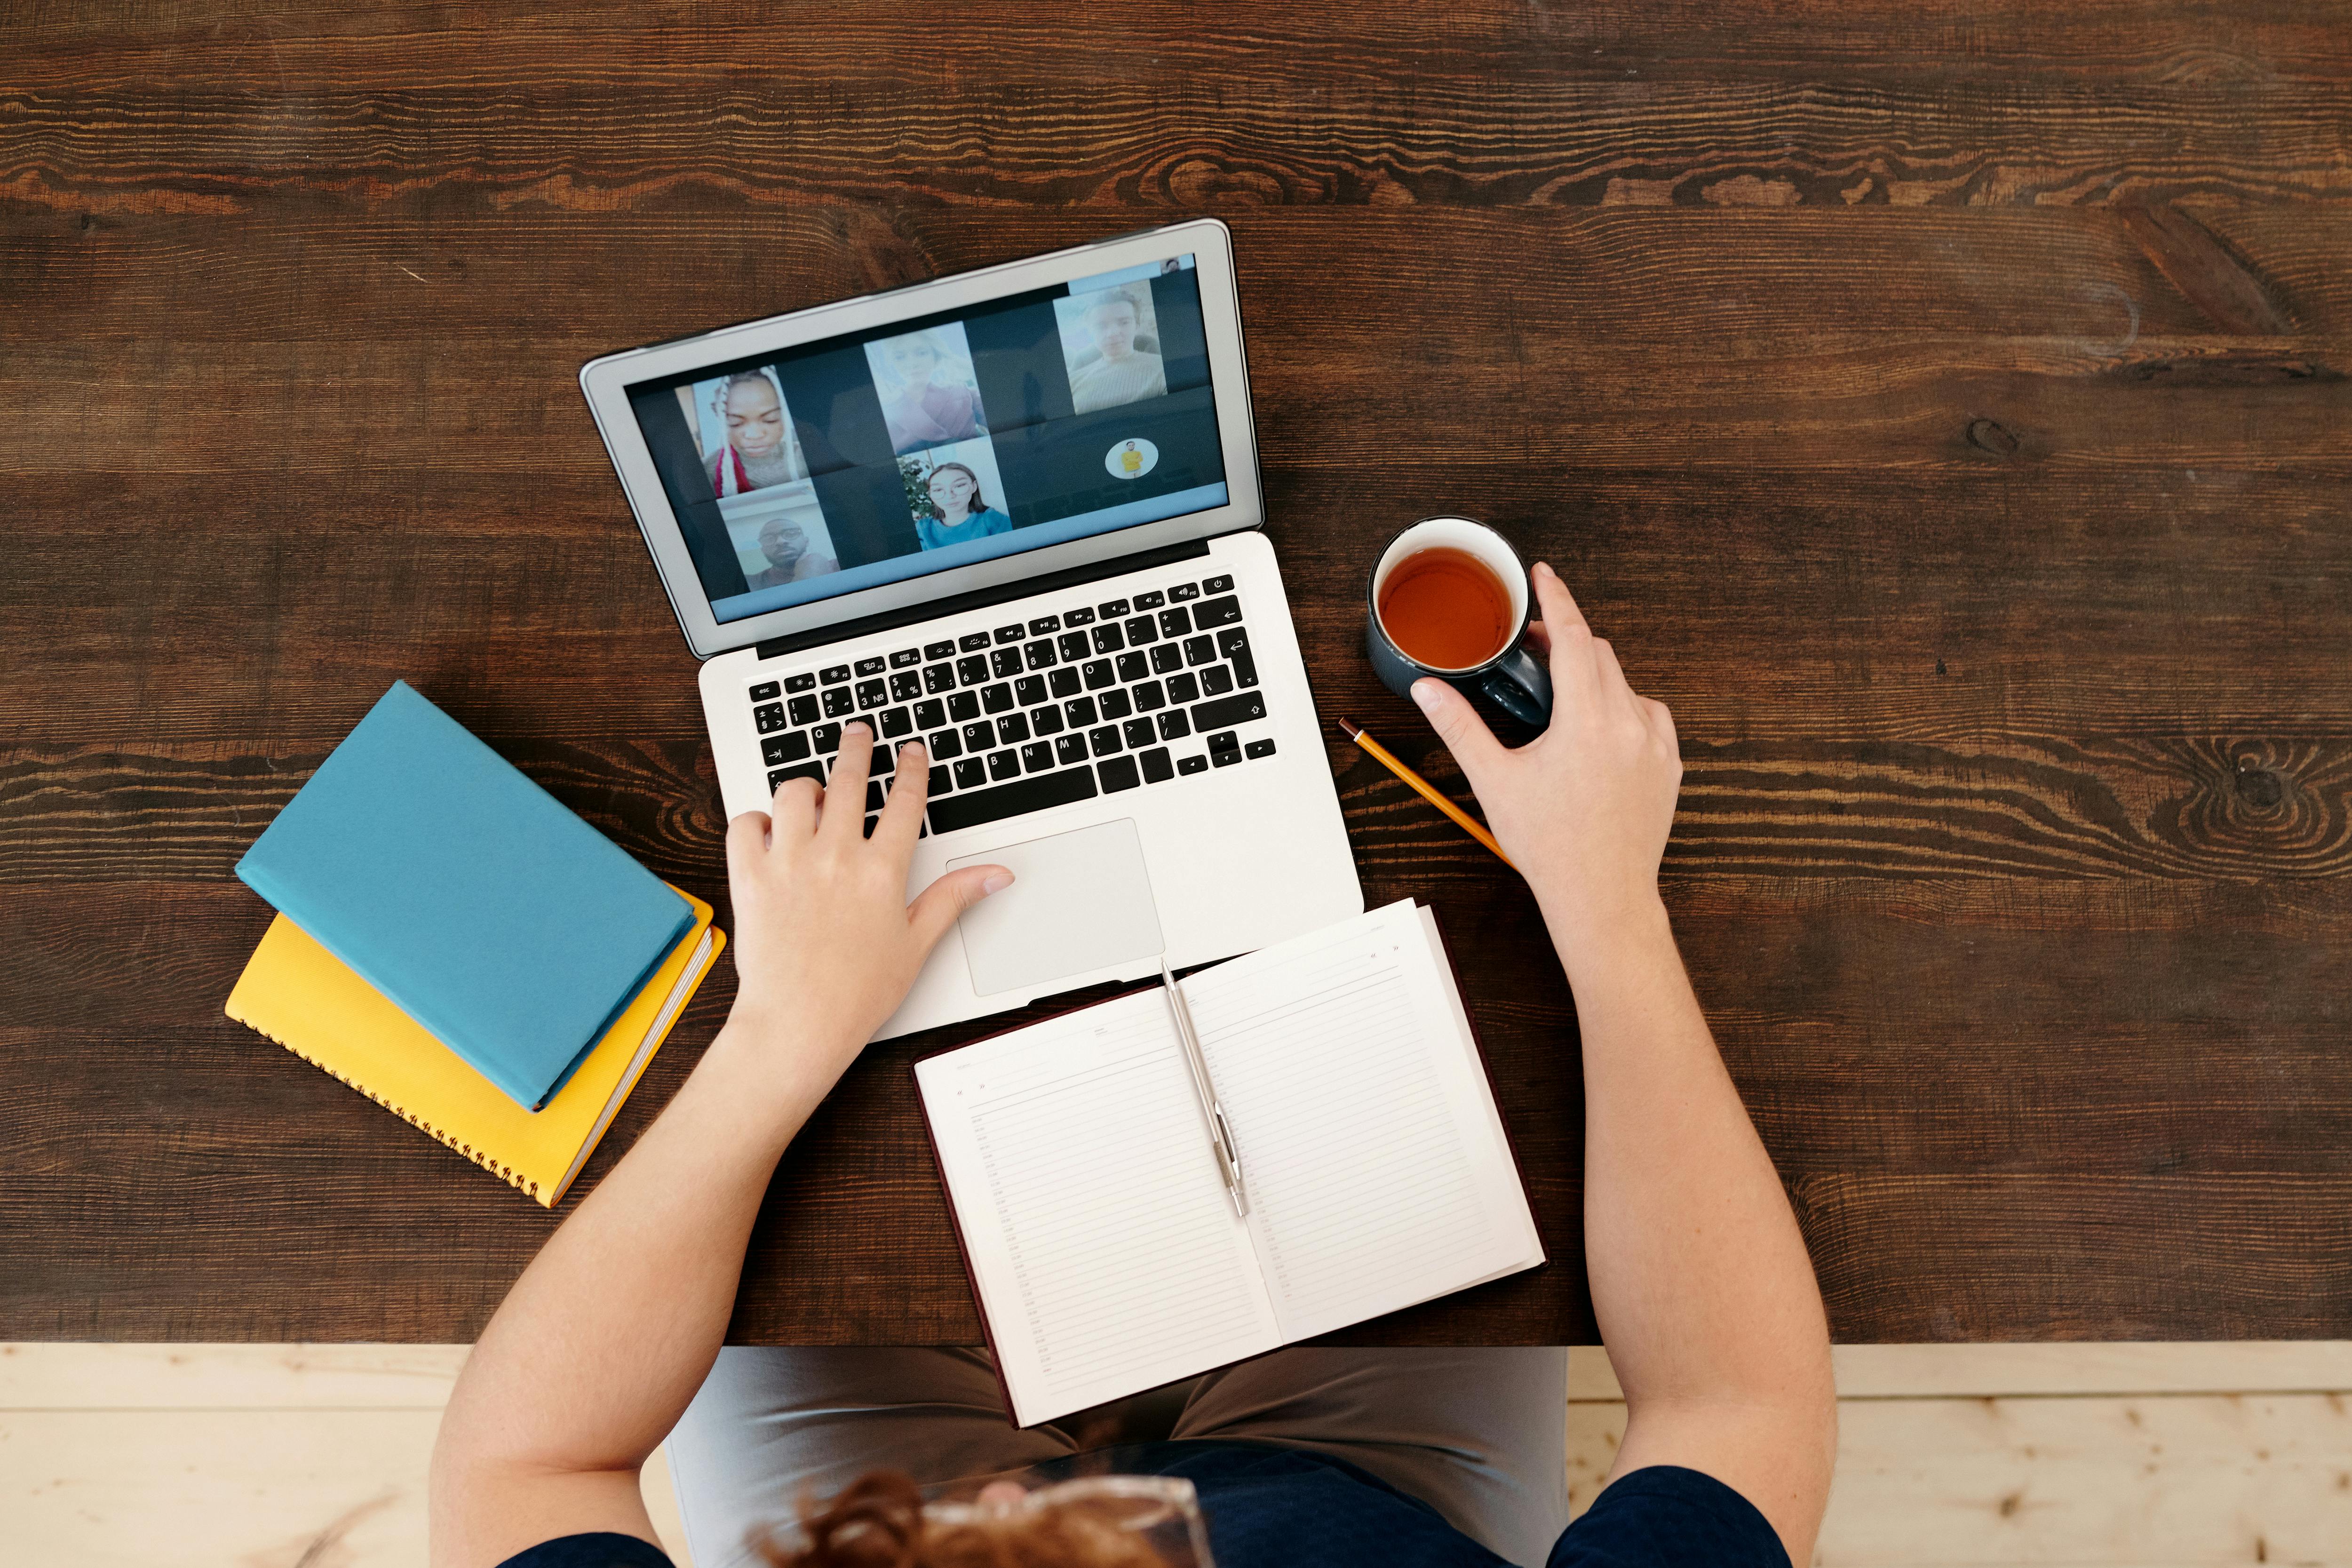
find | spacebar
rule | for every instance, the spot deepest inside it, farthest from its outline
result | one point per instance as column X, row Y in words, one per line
column 1058, row 788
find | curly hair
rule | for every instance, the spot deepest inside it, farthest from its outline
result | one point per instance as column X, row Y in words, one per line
column 876, row 1522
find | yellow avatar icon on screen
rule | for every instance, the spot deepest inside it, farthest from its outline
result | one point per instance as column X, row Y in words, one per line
column 1131, row 459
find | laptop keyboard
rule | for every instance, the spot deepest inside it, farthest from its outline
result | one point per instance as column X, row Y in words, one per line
column 1098, row 698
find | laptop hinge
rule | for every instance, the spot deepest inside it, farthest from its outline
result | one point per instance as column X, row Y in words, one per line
column 981, row 599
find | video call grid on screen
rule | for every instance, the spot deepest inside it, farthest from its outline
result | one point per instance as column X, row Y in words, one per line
column 867, row 459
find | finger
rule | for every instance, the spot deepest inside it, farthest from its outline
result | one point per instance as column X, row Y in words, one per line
column 747, row 840
column 939, row 905
column 844, row 791
column 1566, row 631
column 902, row 813
column 1458, row 725
column 794, row 807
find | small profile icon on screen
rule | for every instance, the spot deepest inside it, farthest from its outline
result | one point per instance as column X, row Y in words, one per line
column 1131, row 459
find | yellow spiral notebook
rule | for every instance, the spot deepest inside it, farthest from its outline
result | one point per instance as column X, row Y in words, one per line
column 305, row 998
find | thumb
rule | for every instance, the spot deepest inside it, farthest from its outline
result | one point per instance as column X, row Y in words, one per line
column 1458, row 725
column 939, row 905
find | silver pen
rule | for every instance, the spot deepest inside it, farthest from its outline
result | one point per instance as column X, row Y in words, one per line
column 1221, row 1137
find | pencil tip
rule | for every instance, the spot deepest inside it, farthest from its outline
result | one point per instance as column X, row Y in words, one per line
column 1350, row 725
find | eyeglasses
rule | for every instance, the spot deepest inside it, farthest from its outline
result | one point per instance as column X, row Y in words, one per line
column 1164, row 1511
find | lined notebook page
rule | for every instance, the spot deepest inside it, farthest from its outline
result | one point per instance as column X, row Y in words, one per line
column 1377, row 1172
column 1107, row 1256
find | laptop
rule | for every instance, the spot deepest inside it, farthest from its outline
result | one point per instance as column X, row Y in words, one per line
column 1015, row 512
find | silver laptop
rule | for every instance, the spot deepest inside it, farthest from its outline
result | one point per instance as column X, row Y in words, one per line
column 1015, row 512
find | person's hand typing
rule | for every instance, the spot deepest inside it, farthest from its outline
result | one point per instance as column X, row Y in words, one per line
column 1582, row 810
column 826, row 944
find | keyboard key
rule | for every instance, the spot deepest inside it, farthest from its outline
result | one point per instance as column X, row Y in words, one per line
column 1045, row 720
column 827, row 739
column 1063, row 682
column 1140, row 630
column 1133, row 666
column 1183, row 689
column 1173, row 725
column 906, row 686
column 974, row 642
column 1216, row 679
column 997, row 699
column 939, row 680
column 907, row 658
column 979, row 736
column 1183, row 591
column 805, row 771
column 1002, row 765
column 939, row 780
column 1150, row 601
column 767, row 691
column 1166, row 658
column 1070, row 749
column 869, row 826
column 1040, row 654
column 778, row 750
column 1064, row 786
column 1115, row 704
column 1137, row 733
column 1148, row 696
column 1107, row 640
column 972, row 669
column 897, row 724
column 1238, row 708
column 1105, row 740
column 1113, row 610
column 1245, row 669
column 971, row 774
column 1218, row 585
column 1118, row 774
column 1036, row 757
column 872, row 694
column 1079, row 712
column 930, row 715
column 1011, row 634
column 1029, row 690
column 1072, row 646
column 1224, row 741
column 1174, row 623
column 1011, row 730
column 1081, row 616
column 769, row 720
column 1097, row 674
column 1222, row 612
column 1199, row 650
column 1045, row 626
column 1234, row 642
column 834, row 675
column 1259, row 748
column 803, row 682
column 965, row 705
column 938, row 650
column 838, row 702
column 1004, row 663
column 873, row 799
column 1191, row 765
column 874, row 666
column 945, row 745
column 1225, row 759
column 1159, row 767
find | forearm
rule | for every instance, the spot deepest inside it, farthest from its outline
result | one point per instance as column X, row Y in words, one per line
column 604, row 1339
column 1699, row 1276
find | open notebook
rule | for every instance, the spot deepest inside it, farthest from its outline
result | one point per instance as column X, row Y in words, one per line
column 1105, row 1254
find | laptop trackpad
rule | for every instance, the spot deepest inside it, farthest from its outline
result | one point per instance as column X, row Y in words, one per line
column 1079, row 901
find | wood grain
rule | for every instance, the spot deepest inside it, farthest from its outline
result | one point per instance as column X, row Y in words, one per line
column 1951, row 418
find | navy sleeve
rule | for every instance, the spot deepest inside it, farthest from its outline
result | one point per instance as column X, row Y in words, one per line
column 602, row 1549
column 1667, row 1517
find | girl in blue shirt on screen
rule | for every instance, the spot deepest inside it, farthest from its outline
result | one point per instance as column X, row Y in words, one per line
column 958, row 511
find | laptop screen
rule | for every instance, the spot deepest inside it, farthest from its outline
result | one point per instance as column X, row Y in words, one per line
column 876, row 457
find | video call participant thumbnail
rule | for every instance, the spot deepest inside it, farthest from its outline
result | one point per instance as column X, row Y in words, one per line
column 790, row 557
column 925, row 380
column 1116, row 360
column 958, row 509
column 757, row 448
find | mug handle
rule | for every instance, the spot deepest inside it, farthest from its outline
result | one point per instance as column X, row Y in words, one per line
column 1518, row 684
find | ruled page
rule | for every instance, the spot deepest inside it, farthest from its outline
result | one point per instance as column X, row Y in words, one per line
column 1105, row 1252
column 1377, row 1170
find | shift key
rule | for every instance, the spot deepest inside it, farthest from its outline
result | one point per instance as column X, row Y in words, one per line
column 1223, row 712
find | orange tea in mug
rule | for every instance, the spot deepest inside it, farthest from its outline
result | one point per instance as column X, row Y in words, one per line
column 1445, row 608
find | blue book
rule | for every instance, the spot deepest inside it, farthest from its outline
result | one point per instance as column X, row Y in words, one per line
column 468, row 896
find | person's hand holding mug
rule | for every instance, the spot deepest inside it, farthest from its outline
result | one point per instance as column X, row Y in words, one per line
column 1584, row 809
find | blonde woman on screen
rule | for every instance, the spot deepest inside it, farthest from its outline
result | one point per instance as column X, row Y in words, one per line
column 1123, row 372
column 927, row 398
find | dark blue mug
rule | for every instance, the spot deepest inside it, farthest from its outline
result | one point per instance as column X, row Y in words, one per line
column 1511, row 678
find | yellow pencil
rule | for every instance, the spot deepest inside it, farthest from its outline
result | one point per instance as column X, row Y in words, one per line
column 1426, row 790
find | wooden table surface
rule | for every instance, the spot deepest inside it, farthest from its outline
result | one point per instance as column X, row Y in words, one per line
column 1944, row 412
